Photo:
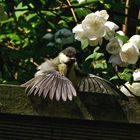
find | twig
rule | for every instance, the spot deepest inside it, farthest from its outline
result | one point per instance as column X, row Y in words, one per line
column 124, row 27
column 72, row 11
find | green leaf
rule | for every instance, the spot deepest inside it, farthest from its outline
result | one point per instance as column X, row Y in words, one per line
column 95, row 55
column 13, row 37
column 64, row 36
column 99, row 64
column 96, row 49
column 84, row 44
column 107, row 6
column 50, row 44
column 48, row 36
column 122, row 37
column 113, row 78
column 2, row 36
column 7, row 20
column 125, row 75
column 63, row 33
column 3, row 14
column 19, row 13
column 87, row 1
column 82, row 12
column 30, row 16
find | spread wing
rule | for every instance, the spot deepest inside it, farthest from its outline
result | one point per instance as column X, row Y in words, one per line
column 53, row 84
column 92, row 83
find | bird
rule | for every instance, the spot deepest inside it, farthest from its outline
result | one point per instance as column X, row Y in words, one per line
column 61, row 78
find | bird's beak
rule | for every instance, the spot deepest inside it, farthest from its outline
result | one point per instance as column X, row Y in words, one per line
column 73, row 59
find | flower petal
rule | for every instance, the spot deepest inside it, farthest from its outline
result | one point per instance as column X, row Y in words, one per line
column 135, row 39
column 114, row 46
column 79, row 32
column 116, row 60
column 110, row 29
column 129, row 53
column 136, row 75
column 93, row 26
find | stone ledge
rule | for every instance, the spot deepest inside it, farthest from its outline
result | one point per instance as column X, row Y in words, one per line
column 100, row 107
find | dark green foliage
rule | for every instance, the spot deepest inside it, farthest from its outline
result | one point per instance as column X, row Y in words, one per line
column 33, row 30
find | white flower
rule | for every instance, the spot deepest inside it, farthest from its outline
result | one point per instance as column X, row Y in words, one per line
column 135, row 39
column 103, row 14
column 136, row 75
column 95, row 42
column 79, row 32
column 80, row 35
column 125, row 91
column 94, row 25
column 134, row 88
column 114, row 46
column 116, row 60
column 129, row 53
column 120, row 33
column 110, row 29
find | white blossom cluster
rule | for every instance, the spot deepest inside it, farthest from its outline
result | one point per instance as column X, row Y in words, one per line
column 96, row 26
column 134, row 87
column 124, row 53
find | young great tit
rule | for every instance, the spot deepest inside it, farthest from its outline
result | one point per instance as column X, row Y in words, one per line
column 61, row 77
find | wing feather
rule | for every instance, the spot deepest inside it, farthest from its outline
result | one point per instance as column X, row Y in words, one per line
column 81, row 85
column 97, row 85
column 70, row 95
column 40, row 85
column 46, row 83
column 52, row 89
column 100, row 86
column 93, row 83
column 106, row 87
column 58, row 91
column 86, row 85
column 64, row 92
column 72, row 89
column 52, row 84
column 34, row 85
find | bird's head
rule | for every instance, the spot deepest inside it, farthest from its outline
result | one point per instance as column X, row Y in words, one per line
column 67, row 56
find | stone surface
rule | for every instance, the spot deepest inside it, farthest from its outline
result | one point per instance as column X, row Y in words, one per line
column 89, row 106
